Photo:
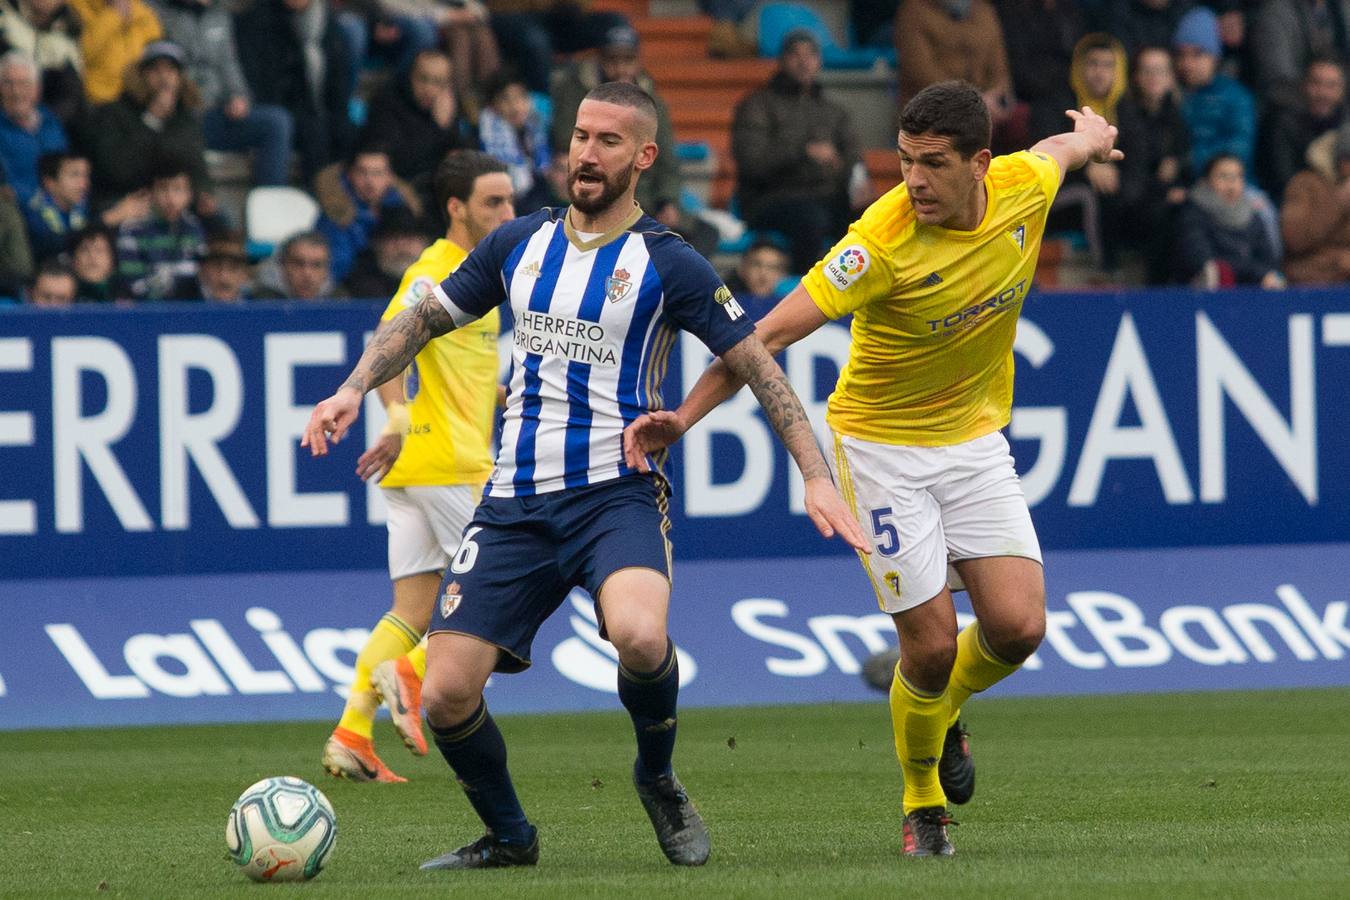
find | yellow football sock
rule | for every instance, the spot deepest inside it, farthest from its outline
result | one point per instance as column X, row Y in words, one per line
column 417, row 657
column 391, row 637
column 976, row 669
column 920, row 722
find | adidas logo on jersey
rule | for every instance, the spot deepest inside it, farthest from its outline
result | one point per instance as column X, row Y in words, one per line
column 531, row 271
column 932, row 280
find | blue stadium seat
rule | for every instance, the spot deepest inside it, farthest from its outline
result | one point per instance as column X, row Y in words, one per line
column 777, row 19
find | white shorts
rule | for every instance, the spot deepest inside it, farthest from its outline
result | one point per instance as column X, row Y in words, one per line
column 426, row 525
column 926, row 507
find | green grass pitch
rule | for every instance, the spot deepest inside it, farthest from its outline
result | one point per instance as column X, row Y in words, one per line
column 1181, row 795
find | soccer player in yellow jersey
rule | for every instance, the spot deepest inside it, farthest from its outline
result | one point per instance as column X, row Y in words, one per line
column 431, row 461
column 935, row 274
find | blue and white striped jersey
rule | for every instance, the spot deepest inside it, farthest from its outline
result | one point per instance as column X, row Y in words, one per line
column 595, row 321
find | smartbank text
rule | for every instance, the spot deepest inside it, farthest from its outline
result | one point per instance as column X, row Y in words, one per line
column 1093, row 630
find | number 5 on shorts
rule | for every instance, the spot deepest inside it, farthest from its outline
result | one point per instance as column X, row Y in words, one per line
column 888, row 539
column 467, row 554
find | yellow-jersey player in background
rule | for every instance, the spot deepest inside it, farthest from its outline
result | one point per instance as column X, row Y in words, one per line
column 935, row 274
column 432, row 460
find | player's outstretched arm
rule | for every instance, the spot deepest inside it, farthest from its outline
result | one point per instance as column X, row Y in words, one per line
column 795, row 316
column 1093, row 139
column 751, row 363
column 389, row 352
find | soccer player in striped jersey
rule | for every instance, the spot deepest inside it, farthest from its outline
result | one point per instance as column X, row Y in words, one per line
column 431, row 461
column 599, row 291
column 935, row 274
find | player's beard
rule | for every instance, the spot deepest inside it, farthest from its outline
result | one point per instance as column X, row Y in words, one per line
column 612, row 189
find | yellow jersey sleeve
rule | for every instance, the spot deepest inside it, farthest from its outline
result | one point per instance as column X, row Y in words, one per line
column 858, row 270
column 1043, row 167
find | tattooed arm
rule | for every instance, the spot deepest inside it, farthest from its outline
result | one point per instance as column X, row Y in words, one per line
column 389, row 352
column 750, row 363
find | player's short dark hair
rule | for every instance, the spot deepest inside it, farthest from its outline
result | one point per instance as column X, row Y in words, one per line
column 950, row 109
column 49, row 164
column 456, row 174
column 625, row 93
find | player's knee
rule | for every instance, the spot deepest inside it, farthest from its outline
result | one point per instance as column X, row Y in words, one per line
column 448, row 702
column 641, row 649
column 1014, row 640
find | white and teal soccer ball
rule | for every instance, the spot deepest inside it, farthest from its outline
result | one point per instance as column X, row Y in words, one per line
column 281, row 829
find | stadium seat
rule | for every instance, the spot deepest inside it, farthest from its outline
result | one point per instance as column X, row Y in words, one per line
column 777, row 19
column 273, row 214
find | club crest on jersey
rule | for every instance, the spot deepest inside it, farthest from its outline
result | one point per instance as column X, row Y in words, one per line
column 848, row 266
column 531, row 270
column 724, row 299
column 450, row 599
column 618, row 285
column 1019, row 236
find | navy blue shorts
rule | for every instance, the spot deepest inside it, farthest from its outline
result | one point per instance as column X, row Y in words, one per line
column 521, row 556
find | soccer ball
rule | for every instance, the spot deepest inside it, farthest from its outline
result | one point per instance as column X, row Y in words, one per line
column 281, row 829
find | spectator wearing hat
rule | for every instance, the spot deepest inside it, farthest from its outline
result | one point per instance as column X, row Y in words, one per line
column 397, row 242
column 795, row 153
column 1289, row 131
column 159, row 256
column 354, row 198
column 1220, row 113
column 512, row 130
column 658, row 190
column 530, row 32
column 48, row 30
column 419, row 115
column 296, row 58
column 27, row 128
column 1315, row 217
column 113, row 36
column 224, row 275
column 938, row 40
column 204, row 30
column 152, row 125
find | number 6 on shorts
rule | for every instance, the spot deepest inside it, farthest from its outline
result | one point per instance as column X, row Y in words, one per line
column 467, row 554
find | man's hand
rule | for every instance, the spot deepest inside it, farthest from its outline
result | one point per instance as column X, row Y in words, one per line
column 1099, row 133
column 650, row 432
column 824, row 153
column 380, row 458
column 831, row 515
column 331, row 418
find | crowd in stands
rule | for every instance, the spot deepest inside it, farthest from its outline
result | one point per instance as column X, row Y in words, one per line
column 1232, row 118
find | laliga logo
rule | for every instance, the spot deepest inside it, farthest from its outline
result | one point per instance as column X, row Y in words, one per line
column 852, row 261
column 591, row 661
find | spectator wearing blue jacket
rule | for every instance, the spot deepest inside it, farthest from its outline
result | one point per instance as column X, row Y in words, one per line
column 60, row 207
column 353, row 199
column 27, row 128
column 1220, row 113
column 512, row 130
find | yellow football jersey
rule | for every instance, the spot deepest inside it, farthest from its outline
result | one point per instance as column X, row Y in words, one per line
column 451, row 387
column 934, row 310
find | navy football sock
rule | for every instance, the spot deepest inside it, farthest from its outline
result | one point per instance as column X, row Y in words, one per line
column 650, row 699
column 476, row 752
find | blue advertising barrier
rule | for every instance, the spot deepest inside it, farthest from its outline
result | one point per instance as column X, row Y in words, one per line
column 145, row 650
column 167, row 551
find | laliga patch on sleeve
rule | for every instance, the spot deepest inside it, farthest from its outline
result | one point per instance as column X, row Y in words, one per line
column 418, row 291
column 724, row 299
column 848, row 266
